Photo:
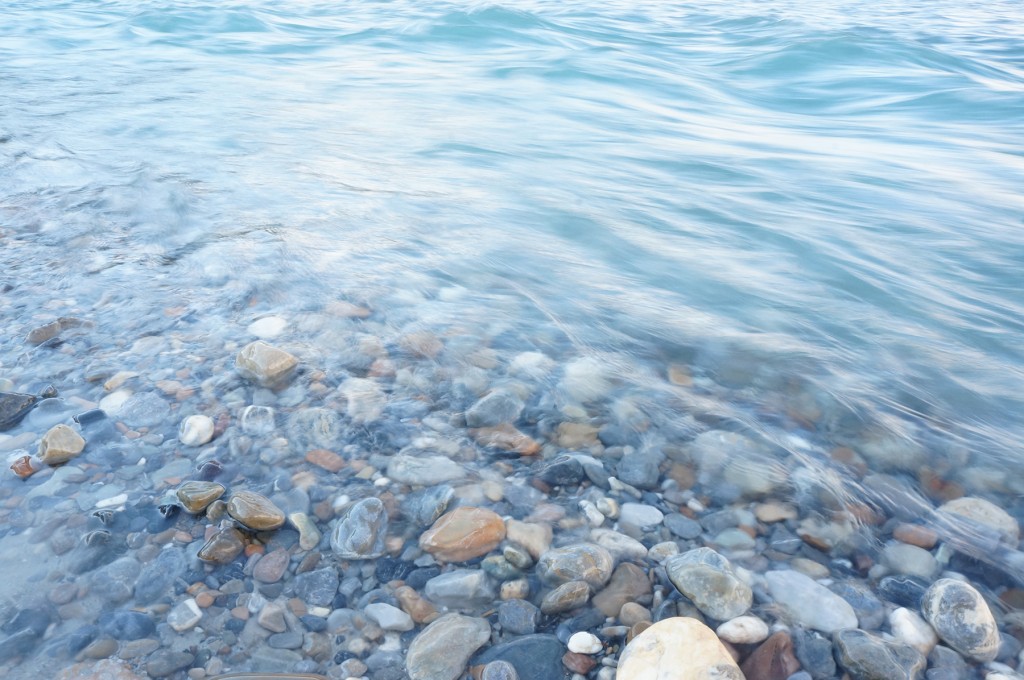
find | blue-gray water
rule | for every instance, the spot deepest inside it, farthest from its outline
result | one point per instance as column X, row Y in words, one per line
column 794, row 200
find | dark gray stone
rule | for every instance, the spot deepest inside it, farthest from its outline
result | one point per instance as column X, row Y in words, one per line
column 906, row 591
column 682, row 526
column 538, row 657
column 641, row 469
column 814, row 652
column 561, row 471
column 869, row 609
column 126, row 625
column 143, row 409
column 317, row 587
column 18, row 644
column 290, row 640
column 166, row 661
column 13, row 407
column 158, row 576
column 113, row 582
column 424, row 506
column 867, row 657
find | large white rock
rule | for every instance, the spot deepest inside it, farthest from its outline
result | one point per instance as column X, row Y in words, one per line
column 909, row 628
column 678, row 648
column 809, row 603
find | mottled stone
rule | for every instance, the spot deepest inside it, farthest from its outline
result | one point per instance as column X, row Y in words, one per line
column 963, row 620
column 223, row 547
column 772, row 660
column 184, row 616
column 535, row 538
column 59, row 445
column 809, row 603
column 566, row 597
column 361, row 533
column 255, row 511
column 460, row 589
column 507, row 438
column 868, row 657
column 628, row 583
column 364, row 399
column 316, row 428
column 909, row 628
column 463, row 534
column 580, row 562
column 195, row 497
column 317, row 588
column 442, row 649
column 621, row 546
column 265, row 364
column 679, row 648
column 709, row 581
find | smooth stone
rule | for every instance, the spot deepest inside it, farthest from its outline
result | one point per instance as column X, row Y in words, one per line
column 584, row 643
column 909, row 628
column 365, row 400
column 463, row 534
column 158, row 576
column 424, row 506
column 285, row 640
column 743, row 630
column 143, row 409
column 621, row 546
column 195, row 497
column 869, row 609
column 167, row 661
column 424, row 471
column 13, row 407
column 679, row 648
column 772, row 660
column 987, row 514
column 534, row 537
column 499, row 670
column 963, row 620
column 906, row 591
column 809, row 603
column 316, row 428
column 683, row 527
column 362, row 532
column 586, row 379
column 223, row 547
column 948, row 662
column 196, row 430
column 561, row 471
column 814, row 651
column 126, row 625
column 640, row 516
column 581, row 562
column 271, row 617
column 59, row 445
column 537, row 657
column 113, row 582
column 868, row 657
column 460, row 589
column 910, row 560
column 255, row 511
column 500, row 406
column 265, row 364
column 641, row 469
column 258, row 420
column 389, row 617
column 185, row 616
column 441, row 650
column 519, row 617
column 271, row 566
column 629, row 583
column 708, row 580
column 566, row 597
column 309, row 535
column 268, row 327
column 317, row 588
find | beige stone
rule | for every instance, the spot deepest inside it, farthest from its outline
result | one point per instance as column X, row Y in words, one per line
column 463, row 533
column 255, row 511
column 679, row 648
column 265, row 364
column 60, row 445
column 536, row 538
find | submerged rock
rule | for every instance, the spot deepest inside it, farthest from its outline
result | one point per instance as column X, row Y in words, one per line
column 463, row 533
column 809, row 603
column 196, row 430
column 196, row 496
column 60, row 445
column 223, row 547
column 709, row 581
column 960, row 616
column 987, row 514
column 13, row 407
column 442, row 649
column 361, row 532
column 580, row 562
column 255, row 511
column 868, row 657
column 265, row 364
column 424, row 471
column 500, row 406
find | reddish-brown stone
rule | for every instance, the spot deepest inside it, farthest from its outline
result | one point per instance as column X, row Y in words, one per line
column 578, row 663
column 463, row 533
column 772, row 660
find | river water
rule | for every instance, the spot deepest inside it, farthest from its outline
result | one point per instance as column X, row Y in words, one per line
column 801, row 220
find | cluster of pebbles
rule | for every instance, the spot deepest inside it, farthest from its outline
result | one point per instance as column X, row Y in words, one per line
column 536, row 522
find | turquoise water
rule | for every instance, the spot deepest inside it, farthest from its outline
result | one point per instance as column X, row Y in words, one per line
column 768, row 192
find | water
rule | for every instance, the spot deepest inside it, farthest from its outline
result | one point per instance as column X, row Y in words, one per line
column 814, row 208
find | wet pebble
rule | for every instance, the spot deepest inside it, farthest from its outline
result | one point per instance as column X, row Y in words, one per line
column 224, row 546
column 185, row 616
column 538, row 657
column 584, row 643
column 272, row 566
column 126, row 625
column 772, row 660
column 318, row 587
column 566, row 597
column 196, row 496
column 809, row 603
column 960, row 616
column 166, row 661
column 709, row 581
column 499, row 670
column 676, row 647
column 628, row 583
column 361, row 532
column 583, row 562
column 265, row 364
column 441, row 650
column 425, row 470
column 519, row 617
column 196, row 430
column 868, row 657
column 389, row 617
column 460, row 589
column 743, row 630
column 143, row 409
column 255, row 511
column 463, row 534
column 500, row 406
column 59, row 445
column 561, row 471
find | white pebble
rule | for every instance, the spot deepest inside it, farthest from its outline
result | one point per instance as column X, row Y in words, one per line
column 113, row 501
column 593, row 515
column 196, row 430
column 585, row 643
column 743, row 630
column 908, row 627
column 268, row 327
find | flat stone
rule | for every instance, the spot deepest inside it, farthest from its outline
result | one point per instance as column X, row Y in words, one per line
column 425, row 470
column 223, row 547
column 679, row 648
column 158, row 576
column 328, row 460
column 126, row 625
column 13, row 407
column 622, row 547
column 641, row 469
column 464, row 589
column 59, row 445
column 743, row 630
column 317, row 588
column 628, row 583
column 143, row 409
column 441, row 650
column 106, row 669
column 903, row 558
column 506, row 438
column 640, row 515
column 364, row 399
column 534, row 537
column 255, row 511
column 987, row 514
column 265, row 364
column 166, row 661
column 463, row 534
column 389, row 617
column 580, row 562
column 500, row 406
column 185, row 616
column 272, row 566
column 868, row 657
column 566, row 597
column 362, row 532
column 772, row 660
column 537, row 657
column 709, row 581
column 963, row 620
column 809, row 603
column 518, row 617
column 195, row 497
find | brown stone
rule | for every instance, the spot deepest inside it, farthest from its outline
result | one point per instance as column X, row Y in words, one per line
column 629, row 583
column 915, row 534
column 271, row 566
column 507, row 438
column 566, row 597
column 682, row 475
column 419, row 608
column 576, row 435
column 224, row 546
column 328, row 460
column 197, row 496
column 463, row 533
column 23, row 467
column 255, row 511
column 578, row 663
column 772, row 660
column 265, row 364
column 680, row 375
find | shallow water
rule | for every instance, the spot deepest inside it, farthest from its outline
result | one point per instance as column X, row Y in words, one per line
column 816, row 211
